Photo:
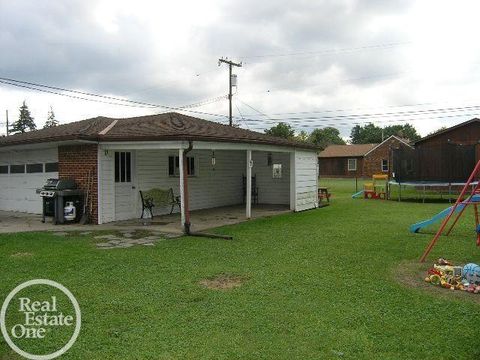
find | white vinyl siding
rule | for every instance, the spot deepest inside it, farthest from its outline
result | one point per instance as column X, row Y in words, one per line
column 306, row 180
column 270, row 190
column 212, row 186
column 18, row 190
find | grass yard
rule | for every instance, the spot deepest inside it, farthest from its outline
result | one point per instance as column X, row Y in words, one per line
column 326, row 283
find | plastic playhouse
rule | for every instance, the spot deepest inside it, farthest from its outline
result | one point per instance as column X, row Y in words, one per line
column 377, row 189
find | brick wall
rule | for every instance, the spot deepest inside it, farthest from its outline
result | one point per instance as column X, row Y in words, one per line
column 372, row 163
column 75, row 161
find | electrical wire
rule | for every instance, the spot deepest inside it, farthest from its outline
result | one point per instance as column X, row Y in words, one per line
column 299, row 121
column 241, row 115
column 329, row 51
column 119, row 101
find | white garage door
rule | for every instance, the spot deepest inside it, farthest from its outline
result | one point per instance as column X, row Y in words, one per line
column 21, row 173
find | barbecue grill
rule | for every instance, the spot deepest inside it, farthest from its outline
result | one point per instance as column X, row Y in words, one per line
column 55, row 193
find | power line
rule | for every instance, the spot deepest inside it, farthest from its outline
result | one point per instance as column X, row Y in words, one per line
column 310, row 124
column 241, row 115
column 365, row 115
column 329, row 51
column 119, row 101
column 70, row 96
column 308, row 121
column 204, row 102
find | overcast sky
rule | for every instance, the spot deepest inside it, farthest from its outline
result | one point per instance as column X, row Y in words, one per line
column 338, row 60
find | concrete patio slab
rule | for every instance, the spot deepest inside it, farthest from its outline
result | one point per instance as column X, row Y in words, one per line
column 12, row 222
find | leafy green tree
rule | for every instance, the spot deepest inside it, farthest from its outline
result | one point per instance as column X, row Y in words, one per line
column 25, row 121
column 282, row 130
column 405, row 131
column 370, row 133
column 51, row 120
column 326, row 136
column 302, row 136
column 367, row 134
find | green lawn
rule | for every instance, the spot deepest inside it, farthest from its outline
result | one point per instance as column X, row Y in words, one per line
column 319, row 284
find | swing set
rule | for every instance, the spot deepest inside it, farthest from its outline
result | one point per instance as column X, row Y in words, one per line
column 465, row 198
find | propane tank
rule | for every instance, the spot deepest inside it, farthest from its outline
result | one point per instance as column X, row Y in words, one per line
column 69, row 211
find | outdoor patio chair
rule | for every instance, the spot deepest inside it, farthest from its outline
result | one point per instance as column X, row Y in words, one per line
column 158, row 198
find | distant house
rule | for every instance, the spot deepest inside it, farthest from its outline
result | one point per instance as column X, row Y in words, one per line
column 466, row 133
column 446, row 156
column 360, row 160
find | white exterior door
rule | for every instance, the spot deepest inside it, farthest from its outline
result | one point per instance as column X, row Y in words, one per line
column 125, row 189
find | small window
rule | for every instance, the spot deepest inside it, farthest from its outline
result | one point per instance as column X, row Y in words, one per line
column 51, row 167
column 17, row 169
column 352, row 164
column 123, row 166
column 174, row 166
column 34, row 168
column 384, row 165
column 3, row 169
column 277, row 171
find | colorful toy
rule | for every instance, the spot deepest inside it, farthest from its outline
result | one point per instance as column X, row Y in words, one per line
column 452, row 277
column 471, row 273
column 377, row 189
column 446, row 276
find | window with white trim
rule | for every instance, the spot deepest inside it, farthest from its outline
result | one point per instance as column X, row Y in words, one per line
column 384, row 165
column 352, row 165
column 123, row 166
column 174, row 168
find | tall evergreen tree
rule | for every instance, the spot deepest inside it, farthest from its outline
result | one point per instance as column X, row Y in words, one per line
column 51, row 121
column 25, row 121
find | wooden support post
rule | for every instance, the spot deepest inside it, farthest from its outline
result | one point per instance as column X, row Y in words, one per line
column 293, row 192
column 182, row 195
column 248, row 200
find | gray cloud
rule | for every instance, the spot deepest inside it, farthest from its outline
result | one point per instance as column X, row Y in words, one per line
column 62, row 43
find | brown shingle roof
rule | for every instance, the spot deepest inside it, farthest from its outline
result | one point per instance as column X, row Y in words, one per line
column 347, row 150
column 167, row 126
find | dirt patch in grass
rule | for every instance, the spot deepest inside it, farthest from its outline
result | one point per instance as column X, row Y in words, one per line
column 223, row 282
column 412, row 273
column 21, row 255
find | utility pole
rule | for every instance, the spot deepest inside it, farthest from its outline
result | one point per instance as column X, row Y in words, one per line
column 230, row 95
column 6, row 112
